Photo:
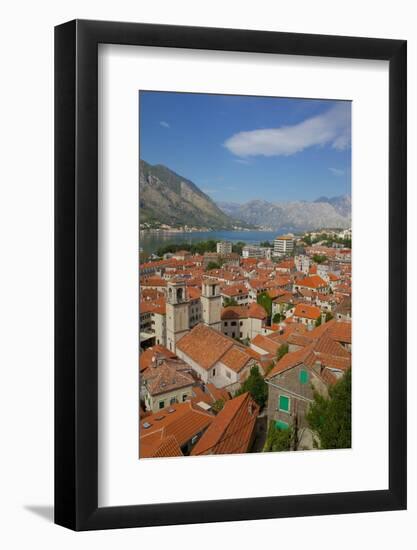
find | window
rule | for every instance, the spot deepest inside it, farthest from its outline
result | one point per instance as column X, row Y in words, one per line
column 241, row 334
column 228, row 374
column 184, row 397
column 172, row 400
column 303, row 376
column 281, row 425
column 233, row 323
column 284, row 403
column 225, row 323
column 241, row 323
column 214, row 372
column 161, row 404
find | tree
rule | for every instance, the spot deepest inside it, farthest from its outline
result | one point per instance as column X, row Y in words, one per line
column 266, row 244
column 319, row 258
column 218, row 405
column 237, row 247
column 229, row 302
column 282, row 350
column 212, row 265
column 329, row 317
column 256, row 386
column 278, row 439
column 277, row 318
column 330, row 418
column 265, row 301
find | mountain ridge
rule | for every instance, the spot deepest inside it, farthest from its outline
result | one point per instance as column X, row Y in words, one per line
column 300, row 215
column 166, row 197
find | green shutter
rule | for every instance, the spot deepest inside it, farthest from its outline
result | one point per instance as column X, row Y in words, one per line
column 281, row 425
column 284, row 403
column 303, row 376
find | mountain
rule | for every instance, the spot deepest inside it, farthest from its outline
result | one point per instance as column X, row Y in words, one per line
column 342, row 204
column 168, row 198
column 293, row 216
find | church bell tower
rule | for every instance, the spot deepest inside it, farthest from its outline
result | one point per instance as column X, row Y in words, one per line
column 211, row 304
column 177, row 313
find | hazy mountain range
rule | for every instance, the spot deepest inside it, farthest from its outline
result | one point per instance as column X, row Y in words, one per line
column 293, row 216
column 168, row 198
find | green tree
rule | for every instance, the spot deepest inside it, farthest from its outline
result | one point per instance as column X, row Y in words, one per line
column 282, row 350
column 278, row 439
column 256, row 386
column 266, row 302
column 229, row 302
column 277, row 318
column 319, row 258
column 330, row 418
column 329, row 317
column 237, row 247
column 266, row 244
column 212, row 265
column 218, row 405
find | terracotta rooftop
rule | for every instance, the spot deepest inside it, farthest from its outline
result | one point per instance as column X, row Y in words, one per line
column 204, row 345
column 307, row 311
column 314, row 281
column 234, row 290
column 153, row 306
column 180, row 422
column 231, row 430
column 145, row 358
column 235, row 358
column 207, row 346
column 167, row 375
column 265, row 343
column 323, row 347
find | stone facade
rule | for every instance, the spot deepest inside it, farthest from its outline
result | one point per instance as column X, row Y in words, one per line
column 293, row 389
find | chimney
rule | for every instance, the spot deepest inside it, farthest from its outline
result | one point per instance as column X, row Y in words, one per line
column 317, row 366
column 250, row 407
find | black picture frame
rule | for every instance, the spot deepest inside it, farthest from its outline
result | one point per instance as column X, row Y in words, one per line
column 76, row 272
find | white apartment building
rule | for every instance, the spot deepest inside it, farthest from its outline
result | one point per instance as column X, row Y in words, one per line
column 255, row 251
column 224, row 247
column 283, row 245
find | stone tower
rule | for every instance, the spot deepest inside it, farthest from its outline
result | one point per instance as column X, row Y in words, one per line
column 211, row 304
column 177, row 313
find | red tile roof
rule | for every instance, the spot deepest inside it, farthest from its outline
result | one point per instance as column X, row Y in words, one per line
column 256, row 311
column 207, row 346
column 169, row 375
column 314, row 281
column 236, row 358
column 231, row 430
column 145, row 358
column 180, row 421
column 204, row 345
column 265, row 343
column 153, row 306
column 307, row 311
column 234, row 290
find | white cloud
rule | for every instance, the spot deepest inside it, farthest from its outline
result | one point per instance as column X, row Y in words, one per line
column 164, row 124
column 337, row 171
column 331, row 128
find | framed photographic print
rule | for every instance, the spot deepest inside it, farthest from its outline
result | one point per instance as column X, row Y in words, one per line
column 230, row 275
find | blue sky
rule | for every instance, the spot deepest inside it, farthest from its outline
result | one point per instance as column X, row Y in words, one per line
column 239, row 148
